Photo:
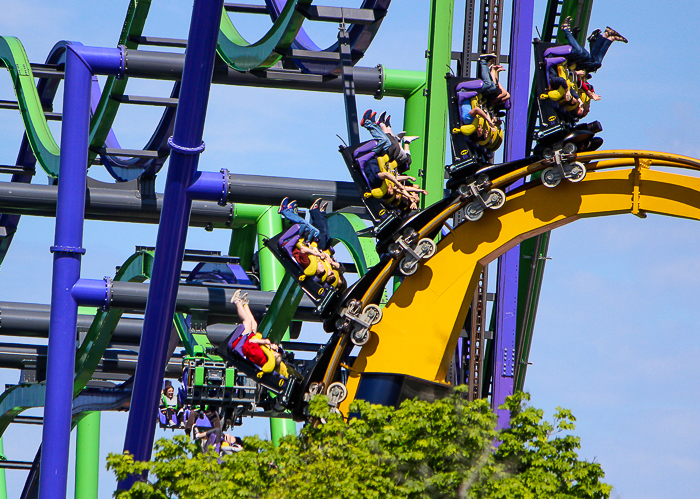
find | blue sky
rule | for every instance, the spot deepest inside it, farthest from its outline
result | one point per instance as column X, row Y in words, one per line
column 616, row 335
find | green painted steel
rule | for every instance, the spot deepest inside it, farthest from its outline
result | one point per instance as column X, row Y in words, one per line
column 402, row 83
column 19, row 398
column 87, row 456
column 106, row 111
column 530, row 285
column 411, row 86
column 40, row 138
column 439, row 58
column 44, row 146
column 276, row 322
column 533, row 252
column 343, row 228
column 242, row 245
column 580, row 12
column 243, row 56
column 415, row 124
column 271, row 274
column 3, row 482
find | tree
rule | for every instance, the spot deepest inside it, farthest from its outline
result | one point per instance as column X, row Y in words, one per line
column 443, row 449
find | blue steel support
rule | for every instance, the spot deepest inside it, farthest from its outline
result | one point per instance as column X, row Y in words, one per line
column 172, row 230
column 515, row 148
column 67, row 250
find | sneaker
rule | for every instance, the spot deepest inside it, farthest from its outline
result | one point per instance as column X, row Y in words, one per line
column 324, row 205
column 244, row 299
column 316, row 204
column 382, row 117
column 387, row 121
column 614, row 35
column 593, row 36
column 293, row 206
column 566, row 25
column 283, row 205
column 410, row 138
column 488, row 57
column 368, row 116
column 401, row 135
column 236, row 296
column 575, row 31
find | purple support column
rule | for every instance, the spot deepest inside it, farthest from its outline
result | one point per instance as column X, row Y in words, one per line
column 515, row 147
column 81, row 62
column 172, row 230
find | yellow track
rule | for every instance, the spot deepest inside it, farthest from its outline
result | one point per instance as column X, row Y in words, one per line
column 423, row 319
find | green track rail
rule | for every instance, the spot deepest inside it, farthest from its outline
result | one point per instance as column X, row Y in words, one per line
column 19, row 398
column 14, row 57
column 241, row 55
column 44, row 146
column 533, row 251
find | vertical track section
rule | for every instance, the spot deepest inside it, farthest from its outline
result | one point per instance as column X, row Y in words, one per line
column 477, row 338
column 490, row 27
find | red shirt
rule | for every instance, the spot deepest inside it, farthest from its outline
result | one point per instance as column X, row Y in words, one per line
column 254, row 353
column 300, row 257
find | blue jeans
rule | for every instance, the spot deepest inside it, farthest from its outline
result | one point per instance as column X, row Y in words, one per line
column 305, row 229
column 318, row 219
column 584, row 60
column 484, row 75
column 375, row 131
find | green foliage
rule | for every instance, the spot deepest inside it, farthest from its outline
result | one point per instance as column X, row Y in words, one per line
column 421, row 450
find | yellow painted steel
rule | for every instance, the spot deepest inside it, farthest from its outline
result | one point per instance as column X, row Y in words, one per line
column 423, row 319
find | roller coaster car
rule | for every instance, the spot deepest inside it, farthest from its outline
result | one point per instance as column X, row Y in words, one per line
column 468, row 153
column 211, row 382
column 385, row 218
column 395, row 229
column 284, row 388
column 321, row 294
column 313, row 381
column 560, row 134
column 478, row 187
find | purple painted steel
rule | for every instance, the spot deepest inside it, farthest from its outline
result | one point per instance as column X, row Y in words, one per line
column 209, row 186
column 70, row 210
column 172, row 230
column 91, row 292
column 515, row 148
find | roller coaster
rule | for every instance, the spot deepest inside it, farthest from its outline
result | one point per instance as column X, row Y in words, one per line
column 413, row 264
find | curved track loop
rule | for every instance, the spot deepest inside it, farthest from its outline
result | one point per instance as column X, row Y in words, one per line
column 439, row 287
column 19, row 398
column 32, row 101
column 43, row 145
column 235, row 51
column 361, row 37
column 344, row 228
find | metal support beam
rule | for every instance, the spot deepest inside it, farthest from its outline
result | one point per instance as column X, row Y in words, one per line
column 508, row 264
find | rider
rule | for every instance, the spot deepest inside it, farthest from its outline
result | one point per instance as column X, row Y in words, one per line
column 600, row 43
column 258, row 350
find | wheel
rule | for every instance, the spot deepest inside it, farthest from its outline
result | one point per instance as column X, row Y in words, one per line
column 569, row 148
column 548, row 154
column 577, row 172
column 463, row 190
column 337, row 392
column 373, row 314
column 473, row 211
column 408, row 266
column 409, row 232
column 550, row 177
column 426, row 248
column 496, row 199
column 360, row 337
column 394, row 249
